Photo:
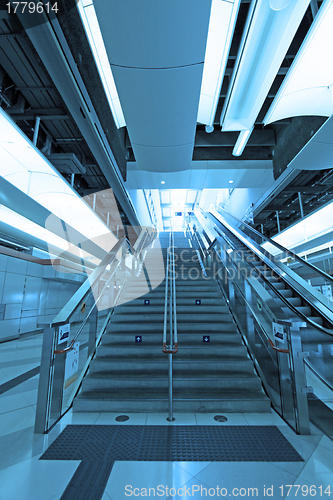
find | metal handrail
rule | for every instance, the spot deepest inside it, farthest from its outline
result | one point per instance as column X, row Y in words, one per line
column 278, row 349
column 171, row 295
column 279, row 295
column 318, row 375
column 166, row 296
column 280, row 247
column 175, row 336
column 90, row 282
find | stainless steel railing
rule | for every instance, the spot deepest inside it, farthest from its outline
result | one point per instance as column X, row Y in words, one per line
column 170, row 316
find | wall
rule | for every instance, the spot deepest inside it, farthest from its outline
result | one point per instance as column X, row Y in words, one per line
column 31, row 294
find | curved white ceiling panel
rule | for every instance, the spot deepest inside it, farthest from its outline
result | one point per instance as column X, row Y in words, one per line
column 160, row 106
column 317, row 154
column 156, row 51
column 308, row 87
column 154, row 33
column 164, row 159
column 269, row 30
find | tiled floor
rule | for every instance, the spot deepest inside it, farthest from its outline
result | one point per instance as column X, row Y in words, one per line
column 24, row 477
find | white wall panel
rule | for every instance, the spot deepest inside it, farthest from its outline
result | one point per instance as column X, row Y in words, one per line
column 16, row 266
column 13, row 289
column 2, row 282
column 12, row 311
column 32, row 293
column 3, row 262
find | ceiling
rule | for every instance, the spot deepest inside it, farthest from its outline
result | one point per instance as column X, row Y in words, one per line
column 31, row 86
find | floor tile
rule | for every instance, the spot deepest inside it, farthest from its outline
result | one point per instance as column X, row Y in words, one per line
column 14, row 402
column 180, row 419
column 79, row 418
column 20, row 445
column 263, row 419
column 319, row 469
column 17, row 420
column 31, row 396
column 230, row 475
column 106, row 496
column 304, row 447
column 110, row 418
column 38, row 479
column 144, row 475
column 233, row 419
column 193, row 489
column 305, row 491
column 192, row 467
column 326, row 442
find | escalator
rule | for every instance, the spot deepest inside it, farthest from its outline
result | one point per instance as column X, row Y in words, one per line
column 279, row 283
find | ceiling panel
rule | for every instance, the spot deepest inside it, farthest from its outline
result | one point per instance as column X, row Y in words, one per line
column 154, row 34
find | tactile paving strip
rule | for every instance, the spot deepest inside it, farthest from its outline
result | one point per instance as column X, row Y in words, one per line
column 172, row 443
column 98, row 446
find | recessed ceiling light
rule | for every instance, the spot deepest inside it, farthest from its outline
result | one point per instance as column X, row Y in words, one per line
column 230, row 182
column 162, row 182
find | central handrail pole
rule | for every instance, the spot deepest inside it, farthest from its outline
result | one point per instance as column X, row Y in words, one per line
column 172, row 260
column 166, row 298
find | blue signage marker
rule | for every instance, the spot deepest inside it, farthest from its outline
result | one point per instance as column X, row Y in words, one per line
column 138, row 339
column 206, row 338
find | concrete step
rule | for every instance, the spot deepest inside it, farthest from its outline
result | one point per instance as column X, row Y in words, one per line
column 193, row 401
column 202, row 328
column 182, row 317
column 195, row 352
column 112, row 368
column 101, row 381
column 184, row 339
column 153, row 309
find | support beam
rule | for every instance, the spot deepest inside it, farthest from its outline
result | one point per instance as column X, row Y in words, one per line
column 222, row 139
column 301, row 204
column 279, row 208
column 307, row 189
column 278, row 221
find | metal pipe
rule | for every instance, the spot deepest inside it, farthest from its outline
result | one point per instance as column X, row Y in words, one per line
column 170, row 417
column 166, row 298
column 301, row 204
column 72, row 180
column 314, row 8
column 278, row 221
column 175, row 337
column 36, row 130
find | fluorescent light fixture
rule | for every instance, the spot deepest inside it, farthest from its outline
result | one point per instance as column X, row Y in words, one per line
column 162, row 182
column 94, row 35
column 230, row 182
column 308, row 86
column 241, row 142
column 223, row 17
column 56, row 244
column 24, row 166
column 269, row 30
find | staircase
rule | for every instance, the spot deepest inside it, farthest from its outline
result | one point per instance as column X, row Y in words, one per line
column 208, row 376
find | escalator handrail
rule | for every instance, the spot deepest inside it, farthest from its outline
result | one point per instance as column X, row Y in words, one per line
column 318, row 375
column 279, row 295
column 281, row 247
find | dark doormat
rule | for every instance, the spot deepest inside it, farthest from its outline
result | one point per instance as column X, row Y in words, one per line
column 99, row 446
